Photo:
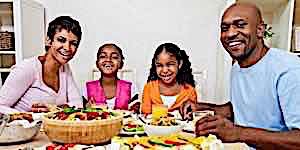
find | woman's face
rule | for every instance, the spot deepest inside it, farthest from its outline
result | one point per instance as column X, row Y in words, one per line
column 63, row 46
column 109, row 61
column 167, row 67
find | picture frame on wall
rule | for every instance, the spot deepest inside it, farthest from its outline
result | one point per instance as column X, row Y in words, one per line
column 297, row 39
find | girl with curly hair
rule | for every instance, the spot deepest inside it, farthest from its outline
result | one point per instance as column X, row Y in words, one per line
column 170, row 82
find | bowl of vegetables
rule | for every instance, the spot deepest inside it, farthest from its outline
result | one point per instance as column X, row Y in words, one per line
column 132, row 127
column 82, row 126
column 162, row 126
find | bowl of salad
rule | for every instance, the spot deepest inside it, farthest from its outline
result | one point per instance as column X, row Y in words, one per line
column 162, row 126
column 132, row 127
column 82, row 126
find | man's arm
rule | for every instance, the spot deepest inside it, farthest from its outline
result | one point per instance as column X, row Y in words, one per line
column 259, row 138
column 264, row 139
column 222, row 110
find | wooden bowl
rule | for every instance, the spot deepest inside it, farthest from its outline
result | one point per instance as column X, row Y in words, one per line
column 82, row 132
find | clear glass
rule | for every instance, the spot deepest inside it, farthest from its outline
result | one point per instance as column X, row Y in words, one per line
column 159, row 111
column 200, row 114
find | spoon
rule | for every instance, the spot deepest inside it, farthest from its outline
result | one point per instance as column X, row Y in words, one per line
column 140, row 118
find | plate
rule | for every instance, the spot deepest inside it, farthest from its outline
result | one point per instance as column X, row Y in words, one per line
column 188, row 126
column 125, row 121
column 65, row 146
column 125, row 113
column 131, row 133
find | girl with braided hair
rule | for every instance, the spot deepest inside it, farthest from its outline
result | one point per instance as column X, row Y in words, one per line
column 170, row 82
column 109, row 89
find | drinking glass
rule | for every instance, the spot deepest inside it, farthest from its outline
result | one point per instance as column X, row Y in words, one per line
column 159, row 111
column 200, row 114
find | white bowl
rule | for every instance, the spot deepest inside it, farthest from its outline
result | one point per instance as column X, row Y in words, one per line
column 161, row 130
column 17, row 133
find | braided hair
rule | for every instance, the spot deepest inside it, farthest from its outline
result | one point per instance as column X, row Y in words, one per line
column 184, row 74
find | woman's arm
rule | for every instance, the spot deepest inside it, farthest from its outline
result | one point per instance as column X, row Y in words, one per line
column 18, row 81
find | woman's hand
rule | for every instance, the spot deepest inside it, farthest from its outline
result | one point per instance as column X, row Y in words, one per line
column 39, row 108
column 219, row 126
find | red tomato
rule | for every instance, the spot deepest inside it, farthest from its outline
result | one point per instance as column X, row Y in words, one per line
column 92, row 115
column 104, row 115
column 50, row 147
column 174, row 142
column 63, row 148
column 131, row 125
column 69, row 145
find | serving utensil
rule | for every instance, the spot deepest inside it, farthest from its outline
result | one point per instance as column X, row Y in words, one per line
column 4, row 118
column 140, row 118
column 84, row 102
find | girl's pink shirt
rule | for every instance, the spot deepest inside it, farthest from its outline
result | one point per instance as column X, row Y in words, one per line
column 24, row 86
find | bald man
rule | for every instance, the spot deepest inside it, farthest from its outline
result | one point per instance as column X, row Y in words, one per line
column 264, row 107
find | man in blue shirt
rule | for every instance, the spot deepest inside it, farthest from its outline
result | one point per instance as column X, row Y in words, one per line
column 265, row 87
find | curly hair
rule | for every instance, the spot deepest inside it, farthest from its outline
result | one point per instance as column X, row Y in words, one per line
column 184, row 75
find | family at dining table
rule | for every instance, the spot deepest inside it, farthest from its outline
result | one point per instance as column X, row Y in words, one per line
column 262, row 110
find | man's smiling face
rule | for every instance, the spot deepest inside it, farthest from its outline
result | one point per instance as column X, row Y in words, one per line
column 239, row 31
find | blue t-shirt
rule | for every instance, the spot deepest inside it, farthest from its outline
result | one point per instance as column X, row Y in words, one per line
column 267, row 94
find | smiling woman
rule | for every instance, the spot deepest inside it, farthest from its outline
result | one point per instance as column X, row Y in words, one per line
column 46, row 78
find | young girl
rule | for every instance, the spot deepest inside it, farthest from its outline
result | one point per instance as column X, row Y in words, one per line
column 171, row 82
column 109, row 89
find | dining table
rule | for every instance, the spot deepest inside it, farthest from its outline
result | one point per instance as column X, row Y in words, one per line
column 41, row 140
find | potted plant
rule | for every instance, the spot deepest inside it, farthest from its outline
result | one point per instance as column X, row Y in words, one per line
column 268, row 34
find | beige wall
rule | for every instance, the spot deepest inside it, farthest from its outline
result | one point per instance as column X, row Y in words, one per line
column 140, row 26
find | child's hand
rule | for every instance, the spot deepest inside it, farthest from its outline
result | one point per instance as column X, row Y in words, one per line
column 91, row 102
column 135, row 107
column 186, row 110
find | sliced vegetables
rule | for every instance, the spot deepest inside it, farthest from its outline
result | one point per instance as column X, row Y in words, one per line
column 73, row 114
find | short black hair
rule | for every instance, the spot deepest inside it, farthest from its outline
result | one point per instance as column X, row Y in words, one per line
column 64, row 22
column 184, row 75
